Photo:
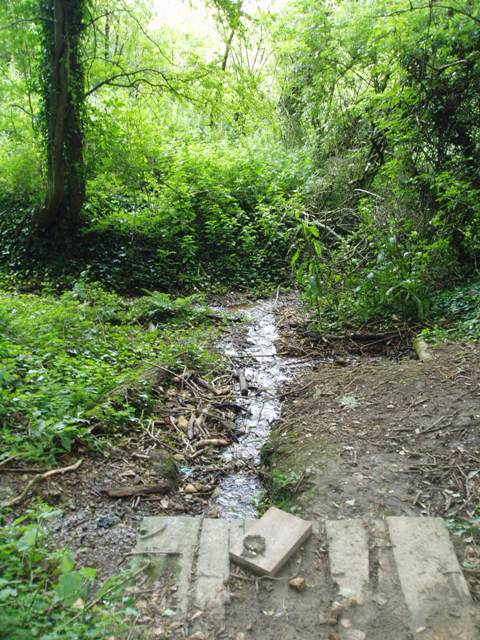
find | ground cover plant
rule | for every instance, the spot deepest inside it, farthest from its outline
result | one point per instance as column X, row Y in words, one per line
column 63, row 355
column 43, row 595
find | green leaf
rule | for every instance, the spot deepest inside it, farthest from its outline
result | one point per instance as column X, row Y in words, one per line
column 70, row 587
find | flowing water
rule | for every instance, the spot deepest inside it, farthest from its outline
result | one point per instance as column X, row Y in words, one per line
column 266, row 371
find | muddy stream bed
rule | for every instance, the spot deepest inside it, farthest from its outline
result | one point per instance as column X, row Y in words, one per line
column 100, row 530
column 265, row 372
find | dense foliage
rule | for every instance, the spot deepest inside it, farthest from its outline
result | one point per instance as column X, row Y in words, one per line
column 344, row 135
column 186, row 176
column 385, row 94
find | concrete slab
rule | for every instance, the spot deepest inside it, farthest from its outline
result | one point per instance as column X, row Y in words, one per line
column 237, row 531
column 432, row 582
column 170, row 543
column 213, row 568
column 349, row 556
column 404, row 571
column 385, row 604
column 271, row 541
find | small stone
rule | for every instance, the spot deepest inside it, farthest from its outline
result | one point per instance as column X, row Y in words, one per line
column 322, row 618
column 198, row 636
column 106, row 521
column 346, row 623
column 381, row 599
column 420, row 629
column 253, row 545
column 333, row 636
column 182, row 423
column 298, row 583
column 240, row 636
column 334, row 613
column 190, row 488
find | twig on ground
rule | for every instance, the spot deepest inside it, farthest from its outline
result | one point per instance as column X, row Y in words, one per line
column 34, row 481
column 7, row 460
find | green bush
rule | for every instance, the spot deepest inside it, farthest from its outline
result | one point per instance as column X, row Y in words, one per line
column 214, row 214
column 382, row 269
column 458, row 311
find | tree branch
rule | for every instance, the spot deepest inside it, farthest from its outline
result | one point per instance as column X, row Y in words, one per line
column 428, row 6
column 132, row 81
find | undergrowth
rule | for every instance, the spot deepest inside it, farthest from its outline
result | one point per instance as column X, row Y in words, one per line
column 62, row 356
column 457, row 312
column 44, row 595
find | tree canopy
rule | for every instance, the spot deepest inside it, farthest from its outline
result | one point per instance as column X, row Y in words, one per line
column 334, row 134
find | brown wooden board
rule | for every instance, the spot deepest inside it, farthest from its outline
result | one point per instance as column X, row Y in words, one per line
column 282, row 534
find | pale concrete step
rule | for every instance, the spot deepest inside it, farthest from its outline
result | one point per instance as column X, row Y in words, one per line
column 349, row 556
column 402, row 573
column 170, row 544
column 213, row 567
column 432, row 581
column 280, row 534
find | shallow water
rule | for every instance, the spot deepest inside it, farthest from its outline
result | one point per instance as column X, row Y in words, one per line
column 266, row 371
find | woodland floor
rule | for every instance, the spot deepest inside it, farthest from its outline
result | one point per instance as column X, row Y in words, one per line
column 365, row 431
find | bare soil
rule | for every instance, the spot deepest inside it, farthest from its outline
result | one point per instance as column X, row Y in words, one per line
column 378, row 437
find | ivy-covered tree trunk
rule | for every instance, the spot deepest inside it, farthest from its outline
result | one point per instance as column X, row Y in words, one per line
column 63, row 100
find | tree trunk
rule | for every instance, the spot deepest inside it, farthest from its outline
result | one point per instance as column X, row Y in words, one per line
column 63, row 90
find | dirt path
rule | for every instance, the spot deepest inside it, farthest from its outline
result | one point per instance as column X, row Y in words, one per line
column 386, row 437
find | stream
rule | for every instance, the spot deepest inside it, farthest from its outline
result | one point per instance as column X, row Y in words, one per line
column 266, row 372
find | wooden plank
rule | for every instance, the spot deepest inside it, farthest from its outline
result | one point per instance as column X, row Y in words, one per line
column 432, row 581
column 349, row 556
column 270, row 542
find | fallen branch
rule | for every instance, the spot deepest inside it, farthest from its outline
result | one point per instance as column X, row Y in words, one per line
column 242, row 379
column 34, row 481
column 433, row 427
column 232, row 406
column 127, row 492
column 7, row 460
column 209, row 387
column 153, row 552
column 421, row 349
column 212, row 442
